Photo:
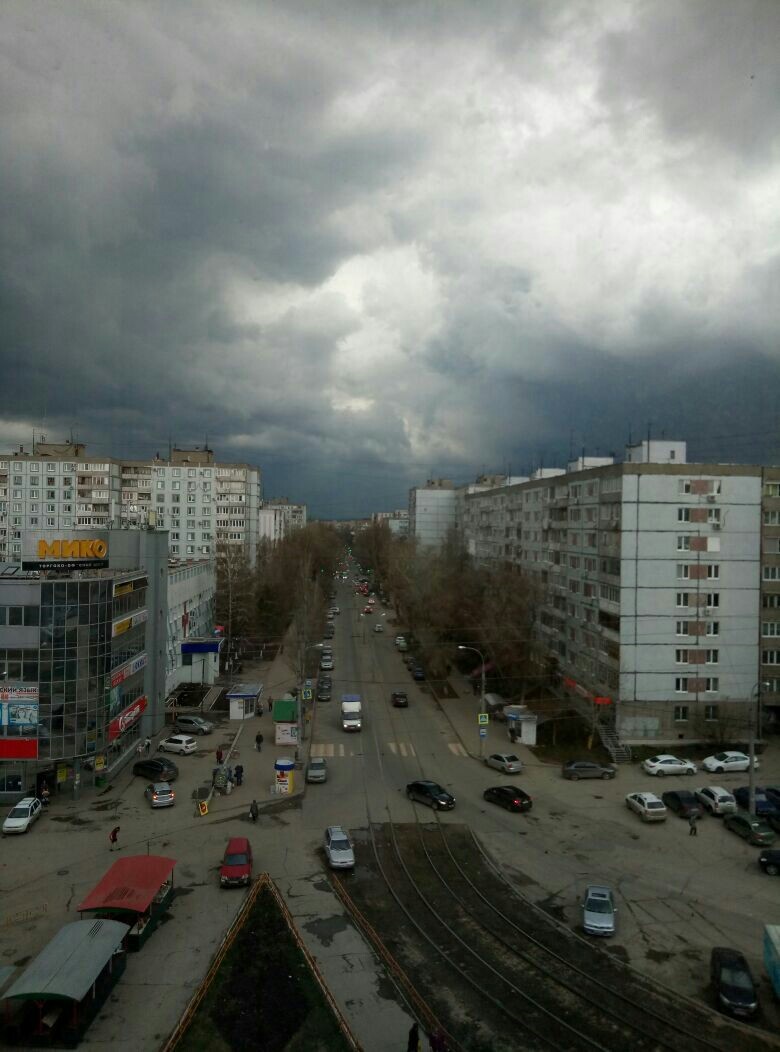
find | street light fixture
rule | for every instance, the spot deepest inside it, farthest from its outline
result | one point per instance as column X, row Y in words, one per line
column 755, row 722
column 482, row 695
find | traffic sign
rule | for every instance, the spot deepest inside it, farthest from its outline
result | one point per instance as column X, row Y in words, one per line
column 203, row 808
column 307, row 694
column 483, row 732
column 483, row 719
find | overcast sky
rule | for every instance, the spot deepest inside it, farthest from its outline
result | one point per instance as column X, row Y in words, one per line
column 362, row 243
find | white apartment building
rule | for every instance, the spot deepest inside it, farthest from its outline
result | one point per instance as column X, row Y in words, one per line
column 397, row 521
column 277, row 518
column 191, row 593
column 432, row 511
column 199, row 501
column 652, row 575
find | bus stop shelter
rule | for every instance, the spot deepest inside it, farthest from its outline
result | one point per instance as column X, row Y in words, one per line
column 136, row 891
column 57, row 996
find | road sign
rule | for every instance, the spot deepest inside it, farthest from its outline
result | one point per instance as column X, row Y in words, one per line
column 483, row 732
column 307, row 694
column 483, row 719
column 203, row 808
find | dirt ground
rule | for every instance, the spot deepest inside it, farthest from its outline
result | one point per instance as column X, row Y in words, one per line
column 264, row 996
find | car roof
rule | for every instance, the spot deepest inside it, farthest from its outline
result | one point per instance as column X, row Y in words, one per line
column 716, row 789
column 648, row 796
column 598, row 891
column 663, row 756
column 28, row 800
column 336, row 830
column 160, row 787
column 316, row 759
column 236, row 844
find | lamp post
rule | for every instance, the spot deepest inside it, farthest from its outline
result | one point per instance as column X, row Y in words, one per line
column 481, row 697
column 755, row 722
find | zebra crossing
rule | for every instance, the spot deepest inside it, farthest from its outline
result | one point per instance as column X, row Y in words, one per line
column 405, row 749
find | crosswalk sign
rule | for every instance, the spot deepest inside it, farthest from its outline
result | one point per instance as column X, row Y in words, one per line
column 203, row 808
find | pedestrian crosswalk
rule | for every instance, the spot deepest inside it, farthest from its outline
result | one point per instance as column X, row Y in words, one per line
column 332, row 749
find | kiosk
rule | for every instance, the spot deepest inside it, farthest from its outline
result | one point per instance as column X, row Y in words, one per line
column 137, row 891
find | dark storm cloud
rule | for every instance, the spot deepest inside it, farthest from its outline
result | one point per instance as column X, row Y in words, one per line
column 359, row 244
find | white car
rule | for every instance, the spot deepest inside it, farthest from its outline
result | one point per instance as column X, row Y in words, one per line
column 22, row 815
column 716, row 800
column 399, row 640
column 338, row 848
column 335, row 610
column 648, row 806
column 180, row 743
column 379, row 628
column 728, row 761
column 506, row 762
column 664, row 763
column 326, row 664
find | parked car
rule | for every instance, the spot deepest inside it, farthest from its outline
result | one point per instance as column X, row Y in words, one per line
column 326, row 663
column 236, row 868
column 430, row 793
column 181, row 743
column 193, row 725
column 379, row 628
column 324, row 693
column 575, row 769
column 160, row 794
column 399, row 640
column 335, row 610
column 749, row 828
column 765, row 804
column 418, row 672
column 317, row 769
column 399, row 699
column 682, row 803
column 730, row 760
column 732, row 982
column 403, row 646
column 599, row 910
column 329, row 632
column 716, row 800
column 664, row 763
column 770, row 862
column 158, row 769
column 368, row 610
column 22, row 815
column 648, row 806
column 338, row 848
column 506, row 762
column 509, row 797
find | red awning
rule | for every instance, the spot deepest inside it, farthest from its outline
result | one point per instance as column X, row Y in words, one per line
column 130, row 884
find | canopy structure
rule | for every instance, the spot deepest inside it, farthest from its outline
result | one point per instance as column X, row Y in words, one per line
column 66, row 969
column 130, row 885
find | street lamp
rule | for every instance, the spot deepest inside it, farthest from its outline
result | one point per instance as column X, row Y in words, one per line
column 755, row 722
column 482, row 695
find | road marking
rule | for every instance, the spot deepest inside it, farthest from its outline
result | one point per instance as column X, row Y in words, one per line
column 402, row 748
column 456, row 749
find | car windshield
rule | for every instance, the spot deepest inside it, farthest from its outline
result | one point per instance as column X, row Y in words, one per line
column 722, row 756
column 736, row 977
column 654, row 803
column 598, row 905
column 340, row 844
column 235, row 860
column 724, row 799
column 19, row 812
column 511, row 759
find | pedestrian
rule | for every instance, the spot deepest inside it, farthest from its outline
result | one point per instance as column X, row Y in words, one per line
column 148, row 745
column 692, row 830
column 230, row 773
column 220, row 754
column 270, row 703
column 44, row 794
column 140, row 749
column 239, row 773
column 413, row 1042
column 112, row 838
column 259, row 741
column 254, row 810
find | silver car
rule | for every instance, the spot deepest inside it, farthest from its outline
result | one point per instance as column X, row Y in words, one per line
column 716, row 800
column 194, row 725
column 598, row 910
column 506, row 762
column 317, row 769
column 338, row 848
column 160, row 794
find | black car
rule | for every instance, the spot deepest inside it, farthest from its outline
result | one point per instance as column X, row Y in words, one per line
column 765, row 804
column 399, row 699
column 769, row 861
column 418, row 672
column 430, row 793
column 324, row 693
column 509, row 796
column 156, row 769
column 575, row 769
column 732, row 982
column 682, row 802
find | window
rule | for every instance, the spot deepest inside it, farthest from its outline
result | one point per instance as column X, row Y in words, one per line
column 681, row 685
column 712, row 600
column 713, row 628
column 771, row 573
column 771, row 602
column 713, row 516
column 161, row 484
column 713, row 572
column 684, row 543
column 191, row 473
column 680, row 713
column 684, row 486
column 770, row 628
column 683, row 571
column 772, row 489
column 713, row 657
column 712, row 684
column 682, row 628
column 683, row 514
column 768, row 657
column 681, row 657
column 710, row 712
column 772, row 518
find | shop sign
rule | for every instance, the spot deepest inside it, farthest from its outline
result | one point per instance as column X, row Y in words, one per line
column 119, row 675
column 18, row 748
column 63, row 554
column 100, row 763
column 126, row 719
column 19, row 692
column 21, row 714
column 126, row 623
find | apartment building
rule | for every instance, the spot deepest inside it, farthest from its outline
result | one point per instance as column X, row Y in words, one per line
column 280, row 517
column 652, row 571
column 191, row 598
column 199, row 501
column 397, row 521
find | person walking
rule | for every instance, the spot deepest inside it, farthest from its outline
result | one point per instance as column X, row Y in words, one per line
column 692, row 830
column 140, row 750
column 220, row 754
column 148, row 745
column 254, row 810
column 239, row 773
column 45, row 793
column 413, row 1041
column 270, row 703
column 113, row 836
column 259, row 741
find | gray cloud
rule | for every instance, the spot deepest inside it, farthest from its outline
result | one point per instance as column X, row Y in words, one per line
column 356, row 244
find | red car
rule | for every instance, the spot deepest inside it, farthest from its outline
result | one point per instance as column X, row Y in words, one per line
column 236, row 868
column 367, row 610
